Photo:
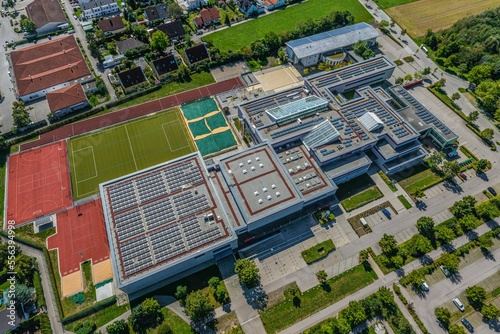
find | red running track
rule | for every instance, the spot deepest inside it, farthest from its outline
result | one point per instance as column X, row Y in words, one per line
column 126, row 114
column 81, row 236
column 38, row 183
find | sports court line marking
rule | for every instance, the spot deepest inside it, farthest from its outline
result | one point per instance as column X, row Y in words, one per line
column 131, row 149
column 96, row 174
column 166, row 137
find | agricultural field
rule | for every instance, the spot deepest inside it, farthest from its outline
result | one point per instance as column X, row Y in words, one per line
column 383, row 4
column 122, row 149
column 436, row 15
column 244, row 34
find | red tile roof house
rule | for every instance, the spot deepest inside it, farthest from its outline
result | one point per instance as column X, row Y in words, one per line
column 66, row 100
column 112, row 25
column 207, row 17
column 47, row 67
column 46, row 14
column 273, row 4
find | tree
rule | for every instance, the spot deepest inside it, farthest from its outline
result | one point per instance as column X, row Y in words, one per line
column 141, row 33
column 419, row 245
column 118, row 327
column 444, row 234
column 146, row 315
column 397, row 261
column 388, row 244
column 485, row 242
column 354, row 313
column 363, row 256
column 28, row 25
column 481, row 165
column 435, row 159
column 362, row 49
column 24, row 268
column 259, row 49
column 450, row 169
column 487, row 134
column 426, row 71
column 473, row 116
column 159, row 41
column 456, row 329
column 164, row 328
column 455, row 96
column 174, row 10
column 476, row 295
column 23, row 294
column 221, row 294
column 20, row 115
column 272, row 41
column 443, row 315
column 247, row 272
column 463, row 207
column 408, row 77
column 490, row 312
column 198, row 305
column 181, row 292
column 468, row 223
column 214, row 282
column 384, row 24
column 419, row 194
column 425, row 226
column 322, row 276
column 85, row 327
column 450, row 262
column 479, row 73
column 399, row 81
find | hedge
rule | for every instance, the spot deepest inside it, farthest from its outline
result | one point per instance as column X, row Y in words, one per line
column 88, row 311
column 468, row 153
column 37, row 284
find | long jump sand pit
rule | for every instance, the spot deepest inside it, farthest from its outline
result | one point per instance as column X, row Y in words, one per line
column 279, row 78
column 72, row 283
column 416, row 17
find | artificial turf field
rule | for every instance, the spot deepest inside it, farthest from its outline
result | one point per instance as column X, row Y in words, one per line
column 122, row 149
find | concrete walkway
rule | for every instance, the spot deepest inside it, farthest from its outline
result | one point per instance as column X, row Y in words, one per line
column 386, row 280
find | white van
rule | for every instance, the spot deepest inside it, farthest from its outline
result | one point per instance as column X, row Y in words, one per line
column 459, row 304
column 424, row 48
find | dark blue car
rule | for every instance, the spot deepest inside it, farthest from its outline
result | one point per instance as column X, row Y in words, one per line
column 386, row 212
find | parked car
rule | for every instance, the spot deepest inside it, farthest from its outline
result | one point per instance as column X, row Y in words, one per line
column 492, row 191
column 425, row 286
column 459, row 304
column 463, row 176
column 445, row 271
column 386, row 212
column 467, row 325
column 453, row 154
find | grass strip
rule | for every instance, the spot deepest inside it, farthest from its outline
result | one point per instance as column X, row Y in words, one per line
column 405, row 202
column 387, row 181
column 286, row 313
column 319, row 251
column 361, row 199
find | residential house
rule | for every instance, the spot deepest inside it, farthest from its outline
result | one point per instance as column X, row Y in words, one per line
column 165, row 65
column 207, row 18
column 47, row 15
column 273, row 4
column 66, row 100
column 129, row 44
column 250, row 7
column 195, row 4
column 174, row 30
column 112, row 25
column 49, row 66
column 197, row 53
column 98, row 8
column 131, row 78
column 157, row 13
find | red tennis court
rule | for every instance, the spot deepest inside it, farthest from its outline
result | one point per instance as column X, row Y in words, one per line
column 38, row 183
column 81, row 236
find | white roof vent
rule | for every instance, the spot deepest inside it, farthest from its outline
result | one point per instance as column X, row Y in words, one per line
column 290, row 171
column 256, row 193
column 308, row 185
column 264, row 189
column 306, row 164
column 287, row 153
column 260, row 201
column 257, row 159
column 278, row 194
column 249, row 161
column 244, row 171
column 241, row 164
column 261, row 165
column 230, row 171
column 273, row 186
column 299, row 167
column 253, row 168
column 301, row 179
column 269, row 197
column 287, row 160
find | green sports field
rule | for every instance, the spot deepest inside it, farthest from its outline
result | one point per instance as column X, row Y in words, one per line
column 122, row 149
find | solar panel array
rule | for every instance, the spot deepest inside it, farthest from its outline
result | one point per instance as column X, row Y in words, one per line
column 260, row 105
column 297, row 107
column 425, row 115
column 157, row 216
column 322, row 134
column 297, row 127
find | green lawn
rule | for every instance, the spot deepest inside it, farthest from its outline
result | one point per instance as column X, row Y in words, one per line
column 404, row 201
column 361, row 199
column 244, row 34
column 391, row 3
column 420, row 181
column 319, row 251
column 286, row 313
column 177, row 325
column 102, row 317
column 354, row 186
column 122, row 149
column 196, row 80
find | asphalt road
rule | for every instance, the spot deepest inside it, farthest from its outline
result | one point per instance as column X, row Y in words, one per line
column 447, row 289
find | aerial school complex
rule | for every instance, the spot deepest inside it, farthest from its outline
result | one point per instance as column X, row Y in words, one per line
column 176, row 200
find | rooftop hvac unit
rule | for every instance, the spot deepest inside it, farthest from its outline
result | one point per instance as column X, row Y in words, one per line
column 261, row 165
column 278, row 194
column 273, row 186
column 249, row 161
column 244, row 171
column 257, row 159
column 260, row 201
column 269, row 197
column 241, row 164
column 253, row 168
column 264, row 189
column 256, row 193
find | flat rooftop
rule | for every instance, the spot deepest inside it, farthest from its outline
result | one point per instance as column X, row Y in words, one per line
column 259, row 183
column 419, row 117
column 162, row 215
column 337, row 168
